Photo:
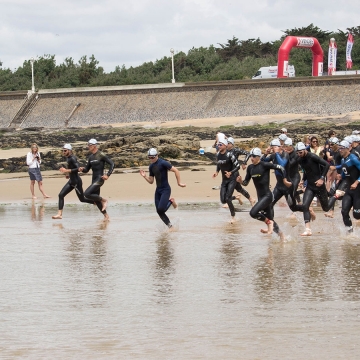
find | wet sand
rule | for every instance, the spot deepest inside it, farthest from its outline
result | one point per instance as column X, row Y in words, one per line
column 82, row 288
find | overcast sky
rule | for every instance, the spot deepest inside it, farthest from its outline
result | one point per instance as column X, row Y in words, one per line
column 129, row 32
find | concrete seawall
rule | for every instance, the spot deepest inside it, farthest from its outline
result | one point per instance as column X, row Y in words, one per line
column 182, row 101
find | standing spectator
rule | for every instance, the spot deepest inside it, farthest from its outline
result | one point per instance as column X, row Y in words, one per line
column 331, row 134
column 315, row 148
column 33, row 161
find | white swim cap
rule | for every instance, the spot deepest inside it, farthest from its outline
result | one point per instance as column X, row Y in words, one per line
column 152, row 152
column 255, row 152
column 300, row 146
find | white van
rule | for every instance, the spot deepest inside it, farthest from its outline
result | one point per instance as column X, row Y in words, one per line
column 268, row 72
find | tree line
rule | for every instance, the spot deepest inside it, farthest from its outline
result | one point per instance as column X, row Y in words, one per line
column 234, row 60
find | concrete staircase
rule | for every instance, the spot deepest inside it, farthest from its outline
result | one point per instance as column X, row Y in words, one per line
column 24, row 111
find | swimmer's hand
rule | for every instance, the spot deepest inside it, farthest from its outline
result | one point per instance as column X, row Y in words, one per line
column 182, row 185
column 104, row 177
column 239, row 179
column 62, row 170
column 215, row 175
column 142, row 173
column 319, row 182
column 228, row 174
column 81, row 169
column 354, row 185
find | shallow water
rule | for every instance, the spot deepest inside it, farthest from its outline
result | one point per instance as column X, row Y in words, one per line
column 80, row 288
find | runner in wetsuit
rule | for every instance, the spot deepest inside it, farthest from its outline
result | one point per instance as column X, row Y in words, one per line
column 315, row 169
column 229, row 167
column 334, row 182
column 259, row 171
column 237, row 152
column 74, row 182
column 351, row 170
column 158, row 169
column 293, row 174
column 279, row 157
column 355, row 145
column 96, row 162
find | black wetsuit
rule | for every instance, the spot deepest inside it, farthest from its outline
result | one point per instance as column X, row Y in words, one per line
column 227, row 162
column 237, row 152
column 293, row 173
column 97, row 162
column 356, row 151
column 74, row 182
column 159, row 170
column 281, row 189
column 314, row 168
column 351, row 171
column 339, row 185
column 260, row 173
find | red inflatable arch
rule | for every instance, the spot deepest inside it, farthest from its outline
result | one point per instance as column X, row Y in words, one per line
column 300, row 42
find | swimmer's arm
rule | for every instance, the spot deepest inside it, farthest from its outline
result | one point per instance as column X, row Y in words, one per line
column 235, row 163
column 177, row 175
column 149, row 179
column 281, row 160
column 112, row 165
column 245, row 182
column 86, row 168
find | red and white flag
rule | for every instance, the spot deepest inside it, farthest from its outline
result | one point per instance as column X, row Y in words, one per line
column 349, row 45
column 332, row 56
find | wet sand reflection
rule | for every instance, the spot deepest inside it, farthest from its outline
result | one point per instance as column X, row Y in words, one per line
column 126, row 289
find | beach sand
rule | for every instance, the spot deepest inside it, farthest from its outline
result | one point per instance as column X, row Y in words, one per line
column 127, row 187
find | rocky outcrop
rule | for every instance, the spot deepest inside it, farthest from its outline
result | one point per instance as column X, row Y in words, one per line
column 128, row 146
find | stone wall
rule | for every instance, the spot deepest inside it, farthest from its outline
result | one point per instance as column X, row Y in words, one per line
column 319, row 96
column 8, row 109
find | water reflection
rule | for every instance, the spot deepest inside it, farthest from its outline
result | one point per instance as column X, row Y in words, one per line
column 230, row 267
column 351, row 271
column 37, row 211
column 316, row 261
column 164, row 268
column 276, row 273
column 88, row 264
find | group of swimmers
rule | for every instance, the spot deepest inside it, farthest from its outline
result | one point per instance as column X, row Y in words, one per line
column 343, row 158
column 97, row 161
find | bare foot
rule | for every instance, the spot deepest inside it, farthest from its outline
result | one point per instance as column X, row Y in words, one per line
column 238, row 198
column 104, row 204
column 307, row 232
column 47, row 196
column 270, row 228
column 225, row 206
column 173, row 203
column 34, row 197
column 330, row 214
column 282, row 236
column 252, row 201
column 232, row 220
column 106, row 217
column 57, row 217
column 312, row 214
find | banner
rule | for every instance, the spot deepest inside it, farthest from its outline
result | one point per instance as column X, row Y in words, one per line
column 349, row 45
column 332, row 56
